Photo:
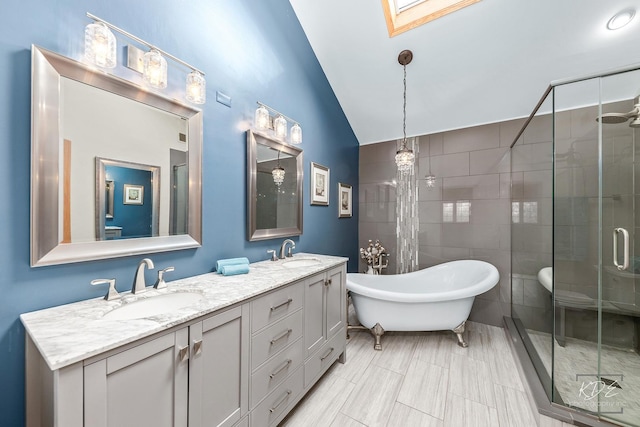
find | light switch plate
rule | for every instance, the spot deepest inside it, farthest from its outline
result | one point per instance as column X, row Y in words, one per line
column 223, row 99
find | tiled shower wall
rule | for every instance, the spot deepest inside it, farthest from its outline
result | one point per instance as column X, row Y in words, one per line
column 465, row 216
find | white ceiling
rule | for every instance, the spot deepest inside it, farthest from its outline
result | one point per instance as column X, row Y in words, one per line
column 485, row 63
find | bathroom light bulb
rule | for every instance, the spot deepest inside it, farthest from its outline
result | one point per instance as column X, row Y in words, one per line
column 404, row 159
column 296, row 134
column 280, row 127
column 278, row 175
column 154, row 69
column 196, row 88
column 262, row 118
column 100, row 45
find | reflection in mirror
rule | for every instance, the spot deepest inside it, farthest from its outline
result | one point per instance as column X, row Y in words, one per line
column 274, row 178
column 82, row 117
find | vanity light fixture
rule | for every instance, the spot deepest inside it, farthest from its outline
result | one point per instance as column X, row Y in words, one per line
column 404, row 156
column 621, row 19
column 278, row 173
column 279, row 125
column 100, row 45
column 100, row 48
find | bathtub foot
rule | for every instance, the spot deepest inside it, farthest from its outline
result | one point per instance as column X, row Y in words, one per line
column 377, row 331
column 459, row 330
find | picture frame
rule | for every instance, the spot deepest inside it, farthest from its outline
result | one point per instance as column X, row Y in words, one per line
column 133, row 194
column 345, row 200
column 319, row 184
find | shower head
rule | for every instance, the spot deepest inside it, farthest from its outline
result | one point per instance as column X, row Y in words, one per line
column 615, row 118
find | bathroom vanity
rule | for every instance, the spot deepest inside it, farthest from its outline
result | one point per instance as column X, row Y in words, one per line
column 242, row 352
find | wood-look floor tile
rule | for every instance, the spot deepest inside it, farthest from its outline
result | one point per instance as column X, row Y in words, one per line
column 513, row 407
column 552, row 422
column 322, row 404
column 471, row 379
column 504, row 371
column 343, row 421
column 360, row 352
column 436, row 347
column 404, row 416
column 372, row 400
column 461, row 412
column 397, row 351
column 425, row 388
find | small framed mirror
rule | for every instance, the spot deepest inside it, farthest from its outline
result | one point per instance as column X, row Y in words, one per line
column 274, row 188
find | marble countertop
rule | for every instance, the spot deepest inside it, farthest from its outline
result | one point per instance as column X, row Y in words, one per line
column 73, row 332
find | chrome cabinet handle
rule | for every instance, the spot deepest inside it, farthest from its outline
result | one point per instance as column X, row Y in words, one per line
column 282, row 335
column 282, row 304
column 625, row 245
column 280, row 401
column 280, row 368
column 183, row 353
column 197, row 347
column 326, row 355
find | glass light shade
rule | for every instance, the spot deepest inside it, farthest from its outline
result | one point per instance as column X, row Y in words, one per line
column 196, row 88
column 100, row 45
column 278, row 175
column 296, row 134
column 404, row 159
column 431, row 181
column 280, row 127
column 262, row 118
column 154, row 69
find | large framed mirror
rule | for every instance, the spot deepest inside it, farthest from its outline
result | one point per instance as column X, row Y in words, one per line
column 274, row 188
column 85, row 122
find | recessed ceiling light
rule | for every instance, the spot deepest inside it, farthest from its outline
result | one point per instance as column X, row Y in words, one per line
column 621, row 19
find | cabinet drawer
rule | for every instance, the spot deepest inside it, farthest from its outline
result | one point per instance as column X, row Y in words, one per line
column 275, row 338
column 323, row 358
column 272, row 373
column 275, row 306
column 273, row 408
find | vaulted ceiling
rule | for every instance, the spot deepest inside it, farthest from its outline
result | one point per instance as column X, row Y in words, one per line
column 485, row 63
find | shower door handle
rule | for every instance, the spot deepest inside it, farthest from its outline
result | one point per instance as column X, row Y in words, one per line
column 625, row 245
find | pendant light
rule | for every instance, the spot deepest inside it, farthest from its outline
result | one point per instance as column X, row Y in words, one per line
column 430, row 178
column 278, row 173
column 404, row 156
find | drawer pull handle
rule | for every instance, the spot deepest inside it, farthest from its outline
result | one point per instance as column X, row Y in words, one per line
column 282, row 335
column 197, row 347
column 280, row 402
column 183, row 353
column 327, row 282
column 280, row 368
column 282, row 304
column 326, row 355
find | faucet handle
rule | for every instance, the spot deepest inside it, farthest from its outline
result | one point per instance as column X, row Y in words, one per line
column 111, row 293
column 273, row 254
column 160, row 283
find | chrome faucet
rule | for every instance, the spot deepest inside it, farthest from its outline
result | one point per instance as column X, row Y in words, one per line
column 284, row 246
column 139, row 284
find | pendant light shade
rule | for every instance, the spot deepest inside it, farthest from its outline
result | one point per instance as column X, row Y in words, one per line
column 154, row 69
column 100, row 45
column 296, row 134
column 278, row 173
column 404, row 159
column 262, row 118
column 196, row 88
column 280, row 127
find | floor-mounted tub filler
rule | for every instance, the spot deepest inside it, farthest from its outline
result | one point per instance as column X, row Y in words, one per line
column 434, row 299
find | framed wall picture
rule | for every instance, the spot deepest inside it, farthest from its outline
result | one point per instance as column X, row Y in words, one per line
column 133, row 194
column 319, row 184
column 345, row 207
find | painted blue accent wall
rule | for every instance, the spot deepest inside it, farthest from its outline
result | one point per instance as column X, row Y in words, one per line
column 134, row 219
column 250, row 50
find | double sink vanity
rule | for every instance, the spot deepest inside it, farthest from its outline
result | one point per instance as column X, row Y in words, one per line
column 206, row 350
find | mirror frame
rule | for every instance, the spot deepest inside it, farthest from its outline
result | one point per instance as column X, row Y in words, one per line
column 47, row 246
column 253, row 234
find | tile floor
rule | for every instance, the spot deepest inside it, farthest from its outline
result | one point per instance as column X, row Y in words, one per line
column 422, row 379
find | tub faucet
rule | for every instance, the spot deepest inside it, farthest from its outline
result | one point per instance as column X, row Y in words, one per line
column 284, row 246
column 138, row 280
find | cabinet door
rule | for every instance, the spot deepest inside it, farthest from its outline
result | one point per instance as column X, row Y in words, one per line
column 313, row 313
column 335, row 301
column 143, row 386
column 218, row 369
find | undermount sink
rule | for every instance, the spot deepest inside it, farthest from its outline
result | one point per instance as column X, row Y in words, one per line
column 153, row 306
column 301, row 262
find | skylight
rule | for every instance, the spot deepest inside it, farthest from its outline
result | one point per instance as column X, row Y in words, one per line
column 404, row 15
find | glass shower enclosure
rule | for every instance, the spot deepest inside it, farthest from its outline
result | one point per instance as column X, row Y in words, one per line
column 575, row 206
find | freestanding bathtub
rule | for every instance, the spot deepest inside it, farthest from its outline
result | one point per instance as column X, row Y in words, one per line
column 436, row 298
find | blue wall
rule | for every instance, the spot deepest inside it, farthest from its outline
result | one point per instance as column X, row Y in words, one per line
column 249, row 49
column 135, row 220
